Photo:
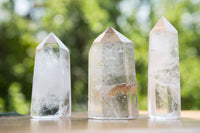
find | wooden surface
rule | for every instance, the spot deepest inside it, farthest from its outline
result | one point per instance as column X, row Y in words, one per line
column 189, row 123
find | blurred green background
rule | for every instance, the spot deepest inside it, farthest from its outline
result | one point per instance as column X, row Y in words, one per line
column 25, row 23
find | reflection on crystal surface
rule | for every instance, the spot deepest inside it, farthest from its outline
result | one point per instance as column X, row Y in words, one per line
column 112, row 83
column 163, row 123
column 50, row 125
column 51, row 94
column 163, row 72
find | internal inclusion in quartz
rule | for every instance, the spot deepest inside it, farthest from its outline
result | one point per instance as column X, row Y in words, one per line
column 163, row 72
column 51, row 94
column 112, row 83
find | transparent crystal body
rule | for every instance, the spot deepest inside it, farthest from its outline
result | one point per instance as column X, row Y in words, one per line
column 51, row 92
column 112, row 83
column 163, row 72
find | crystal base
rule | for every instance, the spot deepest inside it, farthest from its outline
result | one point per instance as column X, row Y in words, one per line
column 164, row 117
column 111, row 118
column 50, row 116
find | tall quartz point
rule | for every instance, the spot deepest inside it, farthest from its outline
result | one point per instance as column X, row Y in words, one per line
column 51, row 93
column 112, row 83
column 163, row 72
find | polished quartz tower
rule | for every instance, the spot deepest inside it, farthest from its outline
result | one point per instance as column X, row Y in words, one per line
column 163, row 72
column 112, row 83
column 51, row 92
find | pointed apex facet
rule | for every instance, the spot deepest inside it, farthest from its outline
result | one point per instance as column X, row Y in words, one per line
column 111, row 35
column 163, row 25
column 52, row 39
column 109, row 30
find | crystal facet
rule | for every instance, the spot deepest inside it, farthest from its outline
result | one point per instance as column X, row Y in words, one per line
column 112, row 83
column 163, row 72
column 51, row 93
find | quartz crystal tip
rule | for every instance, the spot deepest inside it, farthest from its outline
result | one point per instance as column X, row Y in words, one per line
column 111, row 35
column 52, row 39
column 163, row 25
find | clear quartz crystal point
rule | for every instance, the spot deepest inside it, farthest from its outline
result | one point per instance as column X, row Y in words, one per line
column 51, row 92
column 112, row 82
column 163, row 72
